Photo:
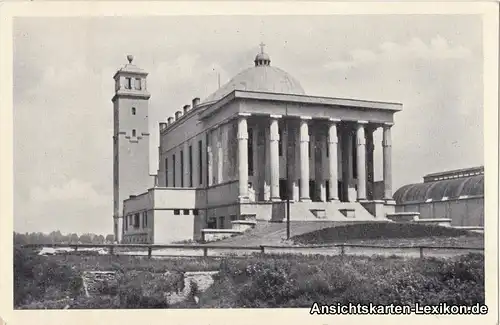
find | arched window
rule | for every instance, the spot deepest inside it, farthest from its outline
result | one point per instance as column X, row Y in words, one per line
column 133, row 132
column 133, row 110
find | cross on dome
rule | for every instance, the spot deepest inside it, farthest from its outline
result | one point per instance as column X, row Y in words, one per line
column 262, row 47
column 262, row 59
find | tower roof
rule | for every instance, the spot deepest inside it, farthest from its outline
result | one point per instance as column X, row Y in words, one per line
column 131, row 68
column 262, row 77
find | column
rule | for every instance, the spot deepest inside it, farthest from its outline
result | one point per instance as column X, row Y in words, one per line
column 361, row 160
column 332, row 160
column 304, row 159
column 387, row 165
column 296, row 163
column 243, row 157
column 369, row 162
column 274, row 137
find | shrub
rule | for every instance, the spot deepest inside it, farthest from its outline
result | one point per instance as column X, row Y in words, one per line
column 36, row 278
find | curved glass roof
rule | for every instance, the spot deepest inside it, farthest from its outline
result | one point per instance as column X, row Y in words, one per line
column 438, row 190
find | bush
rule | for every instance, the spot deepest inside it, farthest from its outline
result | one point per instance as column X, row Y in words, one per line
column 36, row 278
column 299, row 281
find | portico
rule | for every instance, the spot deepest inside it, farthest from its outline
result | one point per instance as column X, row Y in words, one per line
column 312, row 147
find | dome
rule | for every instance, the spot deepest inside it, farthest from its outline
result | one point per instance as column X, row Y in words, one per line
column 262, row 78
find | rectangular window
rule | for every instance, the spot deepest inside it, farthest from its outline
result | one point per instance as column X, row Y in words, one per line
column 309, row 148
column 195, row 212
column 250, row 152
column 182, row 168
column 206, row 157
column 212, row 223
column 128, row 83
column 185, row 212
column 126, row 223
column 138, row 85
column 173, row 170
column 200, row 162
column 144, row 219
column 166, row 172
column 190, row 166
column 136, row 220
column 327, row 149
column 177, row 212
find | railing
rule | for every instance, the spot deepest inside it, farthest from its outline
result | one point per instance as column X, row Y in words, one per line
column 337, row 249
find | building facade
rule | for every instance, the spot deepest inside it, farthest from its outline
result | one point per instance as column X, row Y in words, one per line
column 242, row 151
column 456, row 194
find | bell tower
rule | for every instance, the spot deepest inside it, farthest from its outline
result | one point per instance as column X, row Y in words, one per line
column 130, row 139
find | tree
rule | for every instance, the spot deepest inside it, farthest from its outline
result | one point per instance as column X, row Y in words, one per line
column 73, row 238
column 99, row 239
column 85, row 239
column 110, row 238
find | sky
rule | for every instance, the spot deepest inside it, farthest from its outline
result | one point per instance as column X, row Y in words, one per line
column 63, row 85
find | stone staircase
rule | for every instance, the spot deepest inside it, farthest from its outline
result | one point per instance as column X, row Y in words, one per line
column 324, row 211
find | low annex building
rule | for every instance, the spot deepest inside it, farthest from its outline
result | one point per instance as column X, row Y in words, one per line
column 456, row 194
column 225, row 158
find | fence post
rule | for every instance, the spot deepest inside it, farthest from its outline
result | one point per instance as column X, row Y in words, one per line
column 205, row 251
column 421, row 252
column 150, row 251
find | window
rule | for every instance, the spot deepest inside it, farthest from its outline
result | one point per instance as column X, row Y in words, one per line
column 133, row 110
column 195, row 212
column 190, row 166
column 136, row 220
column 133, row 133
column 212, row 223
column 185, row 212
column 173, row 170
column 327, row 149
column 233, row 217
column 200, row 162
column 128, row 83
column 166, row 172
column 309, row 148
column 206, row 157
column 138, row 85
column 126, row 223
column 250, row 152
column 280, row 142
column 177, row 212
column 221, row 222
column 144, row 219
column 182, row 168
column 130, row 219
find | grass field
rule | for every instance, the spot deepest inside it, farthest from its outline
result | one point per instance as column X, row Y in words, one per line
column 255, row 281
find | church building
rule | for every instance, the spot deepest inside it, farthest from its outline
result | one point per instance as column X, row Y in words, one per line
column 241, row 152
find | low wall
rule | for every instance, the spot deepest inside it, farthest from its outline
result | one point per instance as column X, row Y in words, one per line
column 462, row 212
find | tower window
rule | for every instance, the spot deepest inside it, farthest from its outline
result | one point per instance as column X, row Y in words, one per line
column 128, row 83
column 133, row 110
column 133, row 133
column 166, row 172
column 138, row 85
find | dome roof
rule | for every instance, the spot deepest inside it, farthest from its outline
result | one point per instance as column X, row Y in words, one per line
column 262, row 78
column 437, row 190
